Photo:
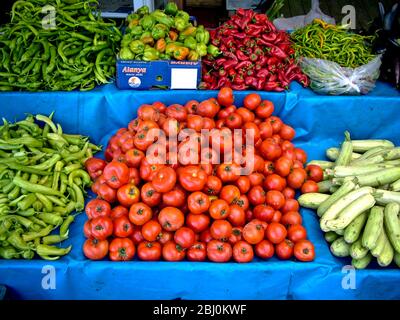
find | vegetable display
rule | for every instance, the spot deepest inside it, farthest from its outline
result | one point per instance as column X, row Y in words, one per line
column 254, row 55
column 164, row 35
column 361, row 216
column 74, row 50
column 179, row 207
column 42, row 181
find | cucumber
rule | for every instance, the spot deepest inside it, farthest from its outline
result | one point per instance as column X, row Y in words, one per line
column 333, row 189
column 384, row 197
column 385, row 257
column 397, row 259
column 395, row 186
column 361, row 263
column 321, row 163
column 379, row 178
column 333, row 153
column 373, row 228
column 342, row 191
column 345, row 171
column 345, row 152
column 392, row 224
column 324, row 186
column 336, row 208
column 380, row 244
column 357, row 251
column 353, row 230
column 393, row 154
column 352, row 211
column 331, row 236
column 365, row 145
column 374, row 152
column 340, row 248
column 312, row 200
column 339, row 232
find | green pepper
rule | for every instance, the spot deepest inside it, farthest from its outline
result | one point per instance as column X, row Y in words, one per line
column 16, row 241
column 150, row 54
column 171, row 8
column 143, row 10
column 164, row 56
column 202, row 36
column 184, row 15
column 46, row 250
column 158, row 33
column 180, row 24
column 136, row 46
column 136, row 30
column 160, row 45
column 126, row 54
column 213, row 50
column 8, row 253
column 53, row 239
column 147, row 22
column 28, row 254
column 51, row 218
column 190, row 43
column 201, row 49
column 126, row 40
column 132, row 16
column 189, row 31
column 193, row 55
column 29, row 236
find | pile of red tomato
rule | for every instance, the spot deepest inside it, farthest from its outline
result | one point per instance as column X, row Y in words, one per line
column 201, row 211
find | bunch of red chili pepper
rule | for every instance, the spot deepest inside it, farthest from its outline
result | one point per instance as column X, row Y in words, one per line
column 254, row 55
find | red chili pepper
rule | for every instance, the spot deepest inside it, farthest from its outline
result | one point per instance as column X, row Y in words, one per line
column 258, row 51
column 219, row 62
column 270, row 85
column 207, row 77
column 277, row 52
column 250, row 81
column 270, row 26
column 223, row 47
column 243, row 64
column 270, row 37
column 282, row 78
column 303, row 79
column 281, row 37
column 229, row 42
column 260, row 83
column 273, row 61
column 263, row 73
column 253, row 57
column 239, row 35
column 272, row 77
column 230, row 55
column 263, row 61
column 279, row 88
column 291, row 69
column 238, row 79
column 241, row 56
column 229, row 64
column 258, row 66
column 262, row 42
column 215, row 42
column 222, row 72
column 260, row 18
column 250, row 72
column 284, row 46
column 239, row 86
column 222, row 81
column 254, row 30
column 231, row 73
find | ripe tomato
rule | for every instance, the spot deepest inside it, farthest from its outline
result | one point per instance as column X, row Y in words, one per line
column 171, row 127
column 104, row 191
column 304, row 251
column 276, row 123
column 174, row 198
column 87, row 229
column 149, row 251
column 314, row 172
column 95, row 167
column 243, row 202
column 246, row 115
column 237, row 215
column 287, row 132
column 269, row 167
column 208, row 123
column 263, row 212
column 140, row 213
column 172, row 251
column 229, row 193
column 291, row 218
column 97, row 208
column 122, row 227
column 171, row 219
column 148, row 170
column 177, row 112
column 265, row 130
column 198, row 202
column 221, row 230
column 264, row 249
column 253, row 232
column 283, row 166
column 184, row 237
column 288, row 193
column 116, row 174
column 270, row 150
column 192, row 178
column 225, row 97
column 243, row 184
column 164, row 180
column 284, row 249
column 197, row 222
column 249, row 215
column 95, row 249
column 149, row 195
column 300, row 155
column 297, row 233
column 234, row 121
column 207, row 167
column 195, row 122
column 309, row 186
column 242, row 252
column 101, row 228
column 208, row 108
column 252, row 101
column 134, row 176
column 256, row 195
column 137, row 236
column 219, row 209
column 151, row 230
column 160, row 106
column 218, row 251
column 228, row 172
column 277, row 216
column 296, row 178
column 191, row 106
column 236, row 235
column 265, row 109
column 290, row 205
column 274, row 182
column 205, row 236
column 148, row 112
column 165, row 236
column 121, row 249
column 256, row 179
column 197, row 252
column 128, row 194
column 276, row 232
column 224, row 113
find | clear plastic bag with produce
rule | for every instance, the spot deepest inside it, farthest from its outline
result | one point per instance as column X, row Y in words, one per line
column 328, row 77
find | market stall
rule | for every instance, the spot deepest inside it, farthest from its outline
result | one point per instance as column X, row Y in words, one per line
column 219, row 234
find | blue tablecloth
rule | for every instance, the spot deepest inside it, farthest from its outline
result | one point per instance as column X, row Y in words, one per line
column 319, row 122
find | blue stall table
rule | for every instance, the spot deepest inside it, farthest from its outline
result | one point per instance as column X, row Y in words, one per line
column 319, row 122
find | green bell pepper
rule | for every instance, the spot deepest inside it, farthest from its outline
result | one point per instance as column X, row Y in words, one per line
column 171, row 8
column 158, row 33
column 180, row 24
column 136, row 30
column 193, row 55
column 132, row 16
column 213, row 50
column 202, row 36
column 147, row 22
column 136, row 46
column 201, row 49
column 190, row 43
column 184, row 15
column 126, row 54
column 126, row 40
column 150, row 54
column 143, row 10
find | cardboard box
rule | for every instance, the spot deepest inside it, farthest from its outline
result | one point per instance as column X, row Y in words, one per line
column 144, row 75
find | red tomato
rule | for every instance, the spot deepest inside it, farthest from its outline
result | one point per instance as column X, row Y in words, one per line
column 274, row 182
column 309, row 186
column 104, row 191
column 229, row 193
column 137, row 236
column 246, row 115
column 164, row 180
column 171, row 127
column 122, row 227
column 296, row 178
column 149, row 251
column 270, row 150
column 265, row 130
column 208, row 108
column 191, row 106
column 148, row 112
column 116, row 174
column 243, row 252
column 253, row 232
column 101, row 228
column 263, row 212
column 288, row 193
column 177, row 112
column 219, row 209
column 290, row 205
column 208, row 123
column 221, row 230
column 151, row 230
column 160, row 106
column 87, row 229
column 237, row 215
column 95, row 249
column 277, row 216
column 269, row 168
column 300, row 155
column 218, row 251
column 243, row 184
column 304, row 251
column 205, row 236
column 119, row 211
column 197, row 252
column 165, row 236
column 197, row 222
column 297, row 233
column 234, row 121
column 198, row 202
column 97, row 208
column 256, row 179
column 315, row 172
column 171, row 219
column 128, row 194
column 225, row 97
column 256, row 195
column 283, row 166
column 140, row 213
column 228, row 172
column 264, row 249
column 236, row 235
column 95, row 167
column 265, row 109
column 195, row 122
column 252, row 101
column 275, row 199
column 287, row 145
column 276, row 123
column 284, row 249
column 291, row 218
column 287, row 132
column 243, row 202
column 173, row 252
column 121, row 249
column 184, row 237
column 149, row 195
column 174, row 198
column 134, row 176
column 192, row 178
column 276, row 232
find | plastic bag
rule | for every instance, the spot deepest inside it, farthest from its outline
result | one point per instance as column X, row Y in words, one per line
column 328, row 77
column 298, row 22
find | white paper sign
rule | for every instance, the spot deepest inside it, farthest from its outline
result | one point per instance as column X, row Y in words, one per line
column 183, row 78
